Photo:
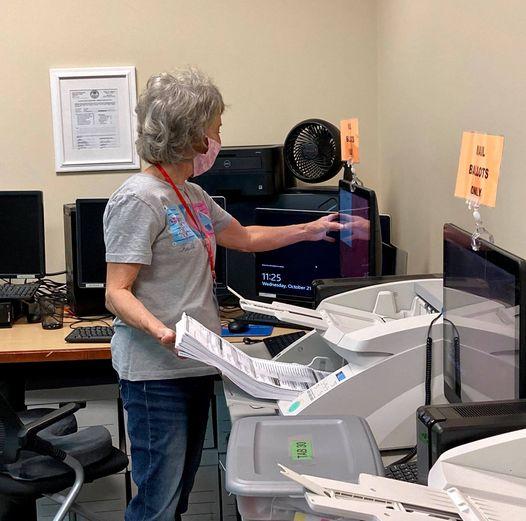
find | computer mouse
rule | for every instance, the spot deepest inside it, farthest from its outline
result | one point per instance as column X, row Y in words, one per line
column 237, row 327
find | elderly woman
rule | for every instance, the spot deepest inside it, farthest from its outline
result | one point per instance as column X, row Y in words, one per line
column 161, row 234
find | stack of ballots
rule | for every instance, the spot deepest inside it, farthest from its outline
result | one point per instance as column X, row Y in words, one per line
column 264, row 379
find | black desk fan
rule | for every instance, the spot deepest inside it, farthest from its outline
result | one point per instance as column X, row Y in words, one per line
column 312, row 152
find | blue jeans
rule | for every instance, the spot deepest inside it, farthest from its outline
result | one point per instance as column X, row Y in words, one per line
column 166, row 426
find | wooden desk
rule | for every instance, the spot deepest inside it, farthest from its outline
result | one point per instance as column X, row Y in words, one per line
column 30, row 343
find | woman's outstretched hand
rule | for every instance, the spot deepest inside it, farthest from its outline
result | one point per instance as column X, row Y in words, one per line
column 318, row 230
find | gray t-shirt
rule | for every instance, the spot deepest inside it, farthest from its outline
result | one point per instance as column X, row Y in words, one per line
column 145, row 223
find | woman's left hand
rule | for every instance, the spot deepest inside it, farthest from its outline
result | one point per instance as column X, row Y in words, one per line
column 165, row 336
column 318, row 230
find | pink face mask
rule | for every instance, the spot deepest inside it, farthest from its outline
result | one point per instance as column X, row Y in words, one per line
column 204, row 162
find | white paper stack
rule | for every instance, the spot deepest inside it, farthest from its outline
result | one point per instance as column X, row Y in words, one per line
column 264, row 379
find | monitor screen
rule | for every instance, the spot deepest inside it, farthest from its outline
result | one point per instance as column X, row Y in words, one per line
column 287, row 273
column 355, row 237
column 22, row 252
column 91, row 252
column 484, row 325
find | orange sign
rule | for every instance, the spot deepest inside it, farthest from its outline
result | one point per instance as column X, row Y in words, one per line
column 479, row 167
column 350, row 140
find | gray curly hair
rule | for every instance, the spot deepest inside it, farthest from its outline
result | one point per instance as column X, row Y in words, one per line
column 173, row 112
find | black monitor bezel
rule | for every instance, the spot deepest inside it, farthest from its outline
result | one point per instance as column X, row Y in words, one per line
column 80, row 281
column 375, row 240
column 220, row 285
column 449, row 392
column 41, row 235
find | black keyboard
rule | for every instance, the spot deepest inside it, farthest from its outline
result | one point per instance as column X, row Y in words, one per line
column 90, row 335
column 249, row 317
column 403, row 472
column 18, row 291
column 276, row 344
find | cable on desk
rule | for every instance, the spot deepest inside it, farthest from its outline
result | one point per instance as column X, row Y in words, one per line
column 53, row 289
column 102, row 318
column 229, row 309
column 249, row 341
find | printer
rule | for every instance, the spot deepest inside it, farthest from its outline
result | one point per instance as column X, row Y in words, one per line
column 372, row 340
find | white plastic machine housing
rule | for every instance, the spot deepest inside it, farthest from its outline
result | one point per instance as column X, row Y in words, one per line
column 480, row 481
column 375, row 338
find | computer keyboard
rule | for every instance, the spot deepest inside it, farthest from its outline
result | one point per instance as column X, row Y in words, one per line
column 18, row 291
column 403, row 472
column 90, row 335
column 249, row 317
column 276, row 344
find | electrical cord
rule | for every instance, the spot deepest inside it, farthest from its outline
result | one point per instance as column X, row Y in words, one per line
column 51, row 289
column 249, row 341
column 429, row 361
column 102, row 318
column 427, row 382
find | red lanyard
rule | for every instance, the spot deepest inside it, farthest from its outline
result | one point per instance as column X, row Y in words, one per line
column 186, row 206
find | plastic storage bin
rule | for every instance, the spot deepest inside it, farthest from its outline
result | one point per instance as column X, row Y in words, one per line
column 331, row 447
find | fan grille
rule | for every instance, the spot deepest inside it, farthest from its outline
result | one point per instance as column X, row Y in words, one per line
column 312, row 151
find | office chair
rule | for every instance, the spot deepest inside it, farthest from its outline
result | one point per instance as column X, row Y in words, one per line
column 43, row 453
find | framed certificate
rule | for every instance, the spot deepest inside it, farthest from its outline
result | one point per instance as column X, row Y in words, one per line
column 94, row 123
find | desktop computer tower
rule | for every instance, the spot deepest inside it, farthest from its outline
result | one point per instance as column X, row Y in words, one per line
column 442, row 427
column 82, row 301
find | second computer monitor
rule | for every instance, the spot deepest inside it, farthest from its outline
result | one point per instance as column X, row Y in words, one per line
column 221, row 264
column 91, row 251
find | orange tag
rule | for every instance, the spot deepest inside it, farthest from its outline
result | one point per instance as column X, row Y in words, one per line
column 479, row 168
column 350, row 140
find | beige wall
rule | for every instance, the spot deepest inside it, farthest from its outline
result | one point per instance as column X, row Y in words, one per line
column 276, row 61
column 444, row 67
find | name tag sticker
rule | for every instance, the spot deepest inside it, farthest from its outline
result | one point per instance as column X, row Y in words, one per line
column 301, row 450
column 350, row 140
column 479, row 168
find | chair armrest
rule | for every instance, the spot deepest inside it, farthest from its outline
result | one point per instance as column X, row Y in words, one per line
column 31, row 429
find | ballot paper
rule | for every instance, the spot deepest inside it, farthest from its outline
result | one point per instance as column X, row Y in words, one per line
column 265, row 379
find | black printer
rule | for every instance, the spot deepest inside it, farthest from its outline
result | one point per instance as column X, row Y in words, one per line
column 442, row 427
column 245, row 171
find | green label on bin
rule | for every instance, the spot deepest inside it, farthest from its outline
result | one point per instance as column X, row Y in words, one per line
column 300, row 450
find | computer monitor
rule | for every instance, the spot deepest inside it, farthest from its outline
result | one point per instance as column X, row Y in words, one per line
column 22, row 252
column 287, row 273
column 221, row 264
column 91, row 251
column 361, row 237
column 484, row 320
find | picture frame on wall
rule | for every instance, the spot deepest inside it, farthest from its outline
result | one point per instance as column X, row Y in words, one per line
column 94, row 121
